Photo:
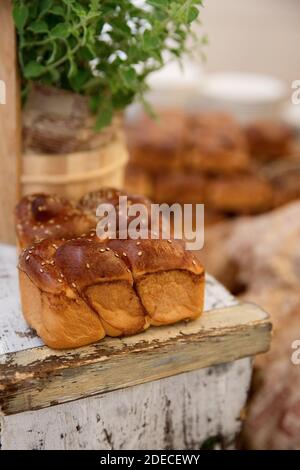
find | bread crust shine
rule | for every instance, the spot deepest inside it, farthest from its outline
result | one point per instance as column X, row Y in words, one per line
column 75, row 292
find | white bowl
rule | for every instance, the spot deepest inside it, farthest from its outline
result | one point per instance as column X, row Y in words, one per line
column 247, row 96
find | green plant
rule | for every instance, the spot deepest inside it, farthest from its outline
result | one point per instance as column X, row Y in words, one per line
column 103, row 49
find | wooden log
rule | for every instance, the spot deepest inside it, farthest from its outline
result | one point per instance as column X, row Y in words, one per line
column 10, row 140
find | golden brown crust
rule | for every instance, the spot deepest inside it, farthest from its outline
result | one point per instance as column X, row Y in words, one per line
column 57, row 266
column 61, row 321
column 89, row 203
column 42, row 216
column 92, row 200
column 151, row 255
column 122, row 287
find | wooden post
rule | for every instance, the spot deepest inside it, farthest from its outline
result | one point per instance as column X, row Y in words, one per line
column 10, row 140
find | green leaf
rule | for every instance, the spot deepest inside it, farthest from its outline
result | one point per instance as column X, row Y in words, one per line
column 72, row 70
column 95, row 5
column 128, row 76
column 39, row 27
column 57, row 10
column 45, row 6
column 78, row 80
column 105, row 115
column 33, row 70
column 20, row 14
column 158, row 3
column 61, row 31
column 193, row 14
column 151, row 41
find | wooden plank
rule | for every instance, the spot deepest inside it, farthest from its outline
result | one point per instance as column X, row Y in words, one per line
column 10, row 139
column 180, row 412
column 40, row 377
column 15, row 335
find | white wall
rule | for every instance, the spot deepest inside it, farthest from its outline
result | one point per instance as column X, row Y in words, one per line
column 253, row 35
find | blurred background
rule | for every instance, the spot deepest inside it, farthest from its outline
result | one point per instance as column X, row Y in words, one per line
column 260, row 36
column 228, row 136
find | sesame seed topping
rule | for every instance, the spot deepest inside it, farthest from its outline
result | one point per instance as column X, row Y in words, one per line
column 102, row 250
column 30, row 252
column 54, row 246
column 58, row 226
column 138, row 243
column 47, row 232
column 128, row 270
column 27, row 257
column 194, row 262
column 60, row 280
column 124, row 254
column 74, row 285
column 61, row 275
column 107, row 249
column 116, row 255
column 87, row 265
column 41, row 270
column 169, row 241
column 140, row 253
column 43, row 263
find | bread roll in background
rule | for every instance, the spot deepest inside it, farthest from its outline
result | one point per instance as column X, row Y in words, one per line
column 240, row 194
column 269, row 140
column 210, row 157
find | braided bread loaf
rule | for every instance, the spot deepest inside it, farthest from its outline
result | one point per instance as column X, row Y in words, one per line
column 75, row 292
column 43, row 216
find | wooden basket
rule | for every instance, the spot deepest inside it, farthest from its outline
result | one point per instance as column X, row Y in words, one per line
column 74, row 174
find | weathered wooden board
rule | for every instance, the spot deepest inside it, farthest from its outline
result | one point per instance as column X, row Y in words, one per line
column 40, row 377
column 181, row 412
column 10, row 139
